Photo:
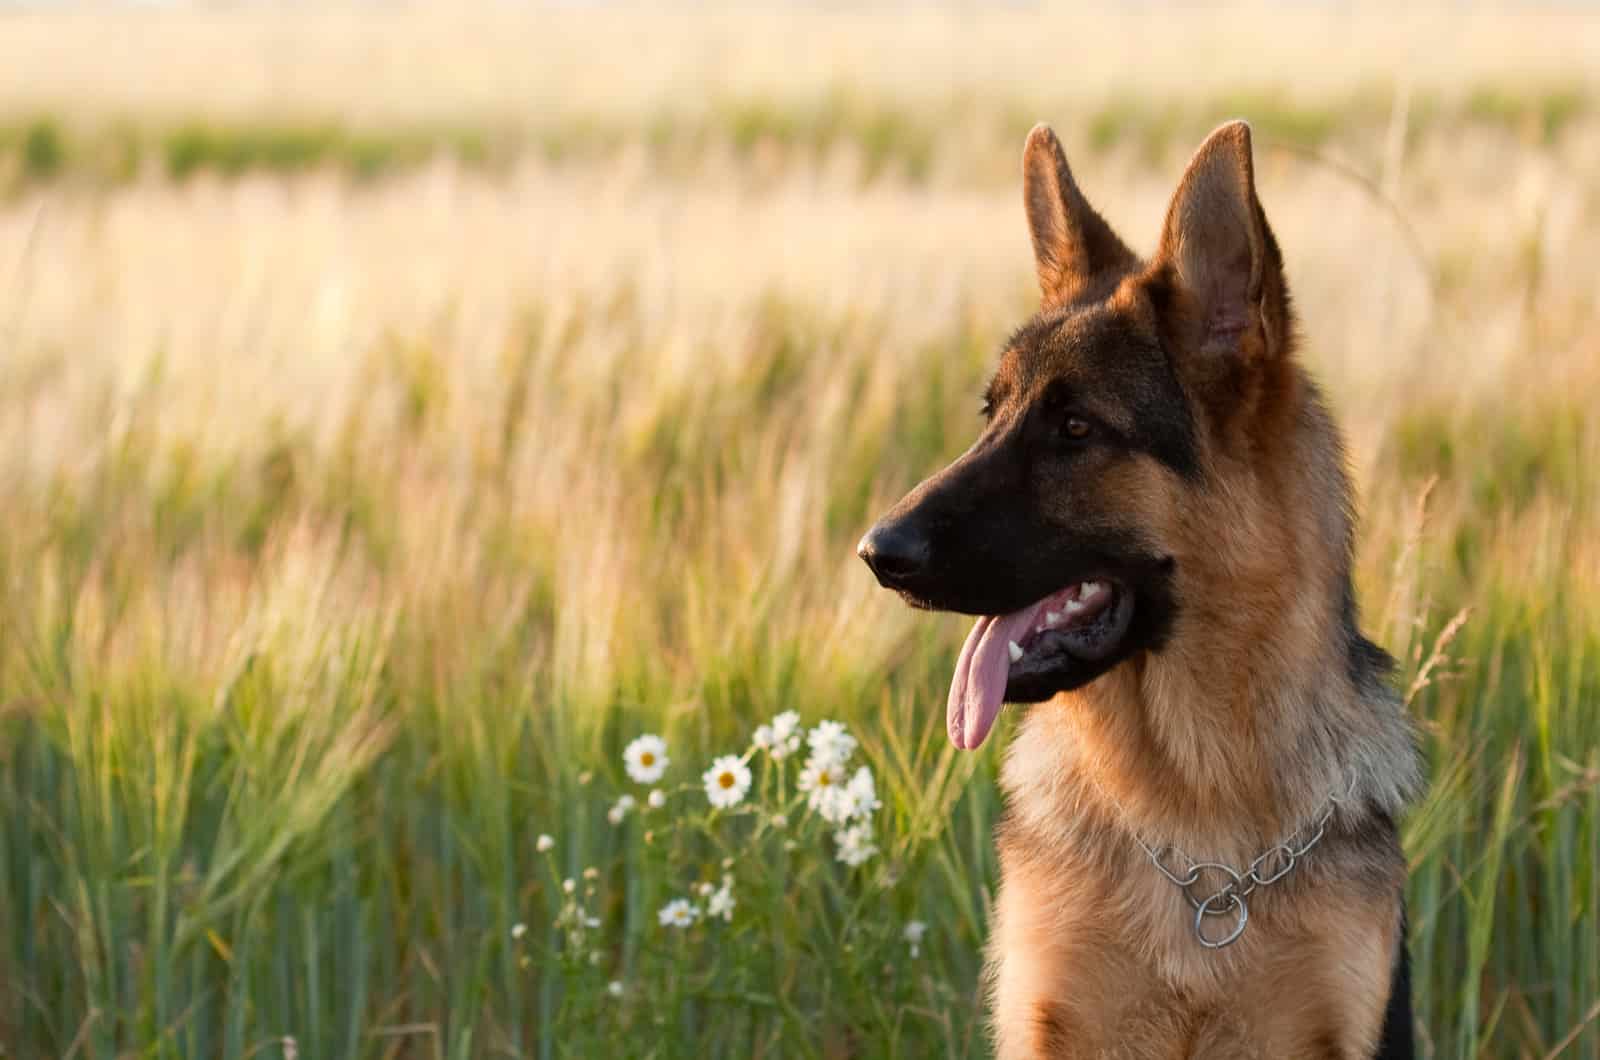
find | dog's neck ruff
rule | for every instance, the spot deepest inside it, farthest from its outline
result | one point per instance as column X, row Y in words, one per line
column 1228, row 901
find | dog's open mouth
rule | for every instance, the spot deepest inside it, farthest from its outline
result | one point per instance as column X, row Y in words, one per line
column 1033, row 653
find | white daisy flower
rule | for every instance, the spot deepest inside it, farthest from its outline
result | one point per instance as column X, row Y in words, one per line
column 912, row 933
column 620, row 810
column 678, row 913
column 861, row 794
column 722, row 903
column 543, row 844
column 727, row 781
column 704, row 889
column 781, row 737
column 646, row 759
column 786, row 725
column 518, row 930
column 569, row 885
column 829, row 742
column 657, row 799
column 855, row 844
column 824, row 784
column 834, row 807
column 614, row 988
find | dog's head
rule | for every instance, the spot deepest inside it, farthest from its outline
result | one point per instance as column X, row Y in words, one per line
column 1062, row 526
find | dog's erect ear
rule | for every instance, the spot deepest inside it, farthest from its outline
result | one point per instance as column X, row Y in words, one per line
column 1073, row 247
column 1217, row 248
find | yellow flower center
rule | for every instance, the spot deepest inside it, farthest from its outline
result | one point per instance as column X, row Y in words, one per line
column 647, row 759
column 823, row 779
column 726, row 780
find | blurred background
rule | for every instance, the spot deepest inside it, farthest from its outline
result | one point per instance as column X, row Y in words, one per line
column 403, row 407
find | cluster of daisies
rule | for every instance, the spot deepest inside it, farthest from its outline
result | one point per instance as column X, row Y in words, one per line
column 844, row 799
column 841, row 797
column 682, row 912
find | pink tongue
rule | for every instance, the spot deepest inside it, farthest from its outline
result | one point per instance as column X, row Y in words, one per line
column 979, row 687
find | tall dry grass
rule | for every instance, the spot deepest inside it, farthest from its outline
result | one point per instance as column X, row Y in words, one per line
column 355, row 524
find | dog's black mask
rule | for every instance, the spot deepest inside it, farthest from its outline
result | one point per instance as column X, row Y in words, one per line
column 1083, row 411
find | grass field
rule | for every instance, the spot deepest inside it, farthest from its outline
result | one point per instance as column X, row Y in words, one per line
column 402, row 412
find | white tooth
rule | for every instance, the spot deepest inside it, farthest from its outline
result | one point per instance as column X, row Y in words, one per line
column 1015, row 649
column 1052, row 619
column 1092, row 589
column 1074, row 606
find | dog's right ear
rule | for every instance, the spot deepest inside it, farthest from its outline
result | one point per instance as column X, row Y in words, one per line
column 1073, row 247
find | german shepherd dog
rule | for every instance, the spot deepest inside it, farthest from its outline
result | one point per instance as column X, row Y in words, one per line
column 1199, row 855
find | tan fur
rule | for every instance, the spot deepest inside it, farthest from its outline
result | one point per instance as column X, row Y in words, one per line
column 1229, row 738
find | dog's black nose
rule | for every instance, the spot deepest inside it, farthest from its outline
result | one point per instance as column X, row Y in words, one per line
column 895, row 552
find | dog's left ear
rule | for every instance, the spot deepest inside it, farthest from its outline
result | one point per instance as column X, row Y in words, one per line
column 1220, row 256
column 1075, row 251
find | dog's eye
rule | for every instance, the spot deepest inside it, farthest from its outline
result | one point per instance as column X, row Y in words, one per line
column 1076, row 428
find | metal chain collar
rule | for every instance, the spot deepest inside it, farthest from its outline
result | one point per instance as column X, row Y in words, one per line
column 1229, row 900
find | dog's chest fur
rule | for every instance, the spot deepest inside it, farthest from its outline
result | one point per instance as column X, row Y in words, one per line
column 1093, row 951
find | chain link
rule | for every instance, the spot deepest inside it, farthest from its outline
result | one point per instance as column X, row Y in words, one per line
column 1268, row 868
